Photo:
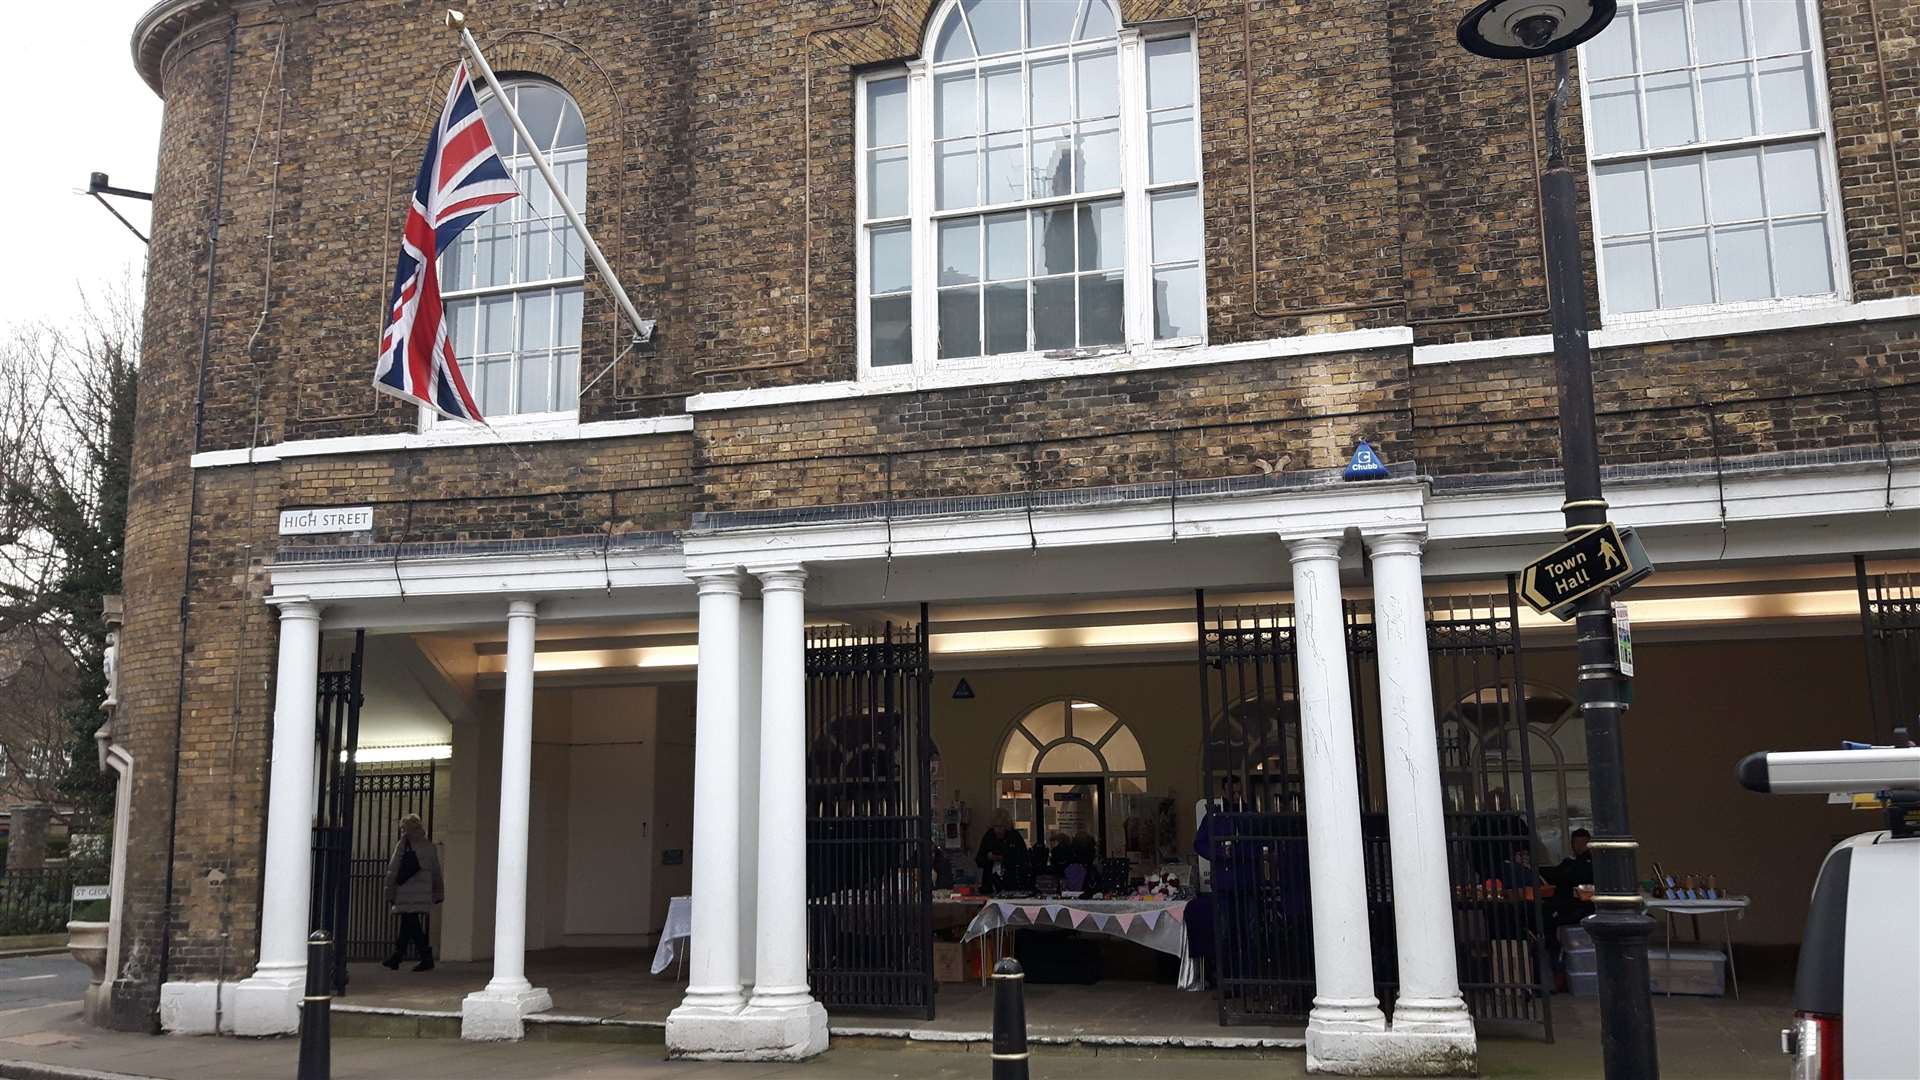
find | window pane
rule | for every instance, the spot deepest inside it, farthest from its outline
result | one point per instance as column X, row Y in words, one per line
column 954, row 109
column 496, row 325
column 959, row 323
column 1170, row 147
column 1611, row 53
column 1786, row 93
column 1053, row 240
column 996, row 25
column 1802, row 261
column 1089, row 721
column 1176, row 226
column 457, row 264
column 1663, row 36
column 1741, row 254
column 886, row 112
column 957, row 169
column 1621, row 191
column 536, row 320
column 1728, row 100
column 573, row 130
column 1629, row 270
column 1169, row 72
column 1176, row 303
column 890, row 259
column 498, row 127
column 1720, row 33
column 536, row 388
column 1678, row 199
column 1099, row 155
column 1047, row 92
column 1686, row 270
column 1670, row 109
column 890, row 335
column 1734, row 177
column 1006, row 246
column 535, row 255
column 1053, row 314
column 952, row 44
column 568, row 322
column 1097, row 83
column 1102, row 306
column 1006, row 168
column 1006, row 318
column 1616, row 117
column 493, row 255
column 1051, row 23
column 1052, row 162
column 1103, row 235
column 1006, row 103
column 568, row 397
column 1779, row 27
column 568, row 253
column 539, row 108
column 1098, row 21
column 1122, row 752
column 573, row 180
column 1793, row 179
column 1047, row 723
column 1069, row 758
column 497, row 398
column 460, row 327
column 960, row 251
column 887, row 183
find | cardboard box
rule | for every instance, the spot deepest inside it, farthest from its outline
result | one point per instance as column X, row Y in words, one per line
column 949, row 962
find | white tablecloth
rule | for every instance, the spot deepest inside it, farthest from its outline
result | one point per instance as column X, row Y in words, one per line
column 679, row 928
column 1701, row 907
column 1158, row 924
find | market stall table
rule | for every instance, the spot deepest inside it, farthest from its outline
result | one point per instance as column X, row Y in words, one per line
column 1723, row 907
column 1160, row 925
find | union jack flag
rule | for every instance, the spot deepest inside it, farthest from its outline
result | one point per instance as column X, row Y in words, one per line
column 461, row 178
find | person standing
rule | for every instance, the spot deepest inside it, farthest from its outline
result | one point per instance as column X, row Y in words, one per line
column 1002, row 857
column 414, row 885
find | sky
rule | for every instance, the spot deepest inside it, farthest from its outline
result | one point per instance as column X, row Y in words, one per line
column 76, row 106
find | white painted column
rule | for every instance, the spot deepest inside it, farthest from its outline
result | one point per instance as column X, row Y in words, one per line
column 268, row 1001
column 1429, row 999
column 751, row 636
column 497, row 1011
column 714, row 982
column 791, row 1024
column 1345, row 1010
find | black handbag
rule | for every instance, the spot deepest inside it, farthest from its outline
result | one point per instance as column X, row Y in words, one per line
column 409, row 866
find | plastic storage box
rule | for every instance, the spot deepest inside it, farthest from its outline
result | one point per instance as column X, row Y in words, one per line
column 1687, row 971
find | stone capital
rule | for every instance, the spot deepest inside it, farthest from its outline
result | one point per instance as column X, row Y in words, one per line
column 1307, row 547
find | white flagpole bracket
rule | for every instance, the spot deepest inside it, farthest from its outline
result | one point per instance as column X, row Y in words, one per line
column 642, row 328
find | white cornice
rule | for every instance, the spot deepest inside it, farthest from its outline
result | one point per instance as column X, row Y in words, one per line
column 444, row 436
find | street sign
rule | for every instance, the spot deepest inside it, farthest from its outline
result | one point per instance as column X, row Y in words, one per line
column 1593, row 560
column 83, row 893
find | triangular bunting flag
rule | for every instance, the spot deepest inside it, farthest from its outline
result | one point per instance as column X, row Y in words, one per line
column 1077, row 916
column 1052, row 910
column 1179, row 912
column 1100, row 921
column 1151, row 917
column 1031, row 911
column 1126, row 921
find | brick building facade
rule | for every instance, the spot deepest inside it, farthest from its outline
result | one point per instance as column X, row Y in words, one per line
column 1373, row 269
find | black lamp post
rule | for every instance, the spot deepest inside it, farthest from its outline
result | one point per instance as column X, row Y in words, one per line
column 1515, row 30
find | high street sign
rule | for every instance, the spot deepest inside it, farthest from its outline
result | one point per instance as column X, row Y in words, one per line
column 1596, row 559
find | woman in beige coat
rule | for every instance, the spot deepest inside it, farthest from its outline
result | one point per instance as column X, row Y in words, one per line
column 414, row 885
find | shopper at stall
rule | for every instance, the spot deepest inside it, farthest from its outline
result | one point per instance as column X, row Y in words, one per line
column 1002, row 857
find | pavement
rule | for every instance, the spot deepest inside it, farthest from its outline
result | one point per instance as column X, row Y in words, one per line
column 42, row 1038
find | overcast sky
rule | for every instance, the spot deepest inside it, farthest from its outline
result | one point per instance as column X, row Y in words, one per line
column 74, row 106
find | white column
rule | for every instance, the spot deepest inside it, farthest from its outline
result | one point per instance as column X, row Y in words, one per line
column 497, row 1011
column 1344, row 1005
column 268, row 1001
column 714, row 983
column 1429, row 998
column 797, row 1023
column 751, row 636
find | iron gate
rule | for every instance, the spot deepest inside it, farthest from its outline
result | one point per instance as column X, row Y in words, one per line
column 1262, row 918
column 336, row 731
column 381, row 797
column 869, row 819
column 1890, row 624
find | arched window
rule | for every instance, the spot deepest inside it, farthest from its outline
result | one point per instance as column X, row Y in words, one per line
column 1029, row 187
column 1063, row 767
column 512, row 281
column 1481, row 765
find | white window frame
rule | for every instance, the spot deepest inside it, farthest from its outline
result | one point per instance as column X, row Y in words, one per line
column 1822, row 135
column 556, row 418
column 1135, row 192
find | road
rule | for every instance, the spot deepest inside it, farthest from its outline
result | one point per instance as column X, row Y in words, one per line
column 28, row 982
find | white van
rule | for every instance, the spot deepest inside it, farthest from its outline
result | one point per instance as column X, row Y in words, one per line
column 1856, row 995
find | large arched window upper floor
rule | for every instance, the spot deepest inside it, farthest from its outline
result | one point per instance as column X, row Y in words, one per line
column 1028, row 188
column 513, row 281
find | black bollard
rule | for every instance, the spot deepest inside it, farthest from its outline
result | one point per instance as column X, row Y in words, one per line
column 1009, row 1021
column 316, row 1016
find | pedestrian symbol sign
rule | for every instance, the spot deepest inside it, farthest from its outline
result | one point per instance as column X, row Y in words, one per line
column 1366, row 463
column 1595, row 559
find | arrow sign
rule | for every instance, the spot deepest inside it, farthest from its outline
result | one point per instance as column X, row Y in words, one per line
column 1593, row 560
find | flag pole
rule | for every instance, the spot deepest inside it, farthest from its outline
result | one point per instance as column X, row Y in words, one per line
column 643, row 328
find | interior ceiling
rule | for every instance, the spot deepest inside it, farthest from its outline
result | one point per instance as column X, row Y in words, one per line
column 1731, row 598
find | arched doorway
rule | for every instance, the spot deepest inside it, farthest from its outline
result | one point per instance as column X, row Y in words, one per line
column 1484, row 768
column 1070, row 765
